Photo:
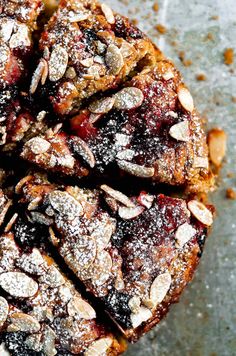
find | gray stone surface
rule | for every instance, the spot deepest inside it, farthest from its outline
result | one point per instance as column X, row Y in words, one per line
column 204, row 322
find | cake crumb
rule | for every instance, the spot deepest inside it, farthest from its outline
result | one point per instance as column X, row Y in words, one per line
column 155, row 7
column 161, row 29
column 209, row 37
column 233, row 99
column 214, row 17
column 229, row 56
column 201, row 77
column 230, row 194
column 186, row 62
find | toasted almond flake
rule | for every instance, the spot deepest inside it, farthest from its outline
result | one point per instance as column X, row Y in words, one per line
column 54, row 240
column 21, row 38
column 18, row 284
column 87, row 62
column 82, row 254
column 99, row 347
column 81, row 16
column 34, row 342
column 130, row 213
column 126, row 155
column 185, row 98
column 114, row 59
column 172, row 114
column 102, row 106
column 138, row 318
column 122, row 198
column 21, row 183
column 94, row 118
column 70, row 73
column 112, row 203
column 168, row 75
column 32, row 263
column 58, row 63
column 45, row 71
column 159, row 288
column 146, row 199
column 180, row 131
column 4, row 210
column 23, row 322
column 79, row 308
column 11, row 222
column 81, row 148
column 136, row 169
column 49, row 338
column 53, row 277
column 108, row 13
column 134, row 304
column 183, row 234
column 128, row 98
column 103, row 233
column 34, row 203
column 38, row 145
column 217, row 140
column 101, row 268
column 37, row 76
column 4, row 308
column 65, row 204
column 6, row 28
column 200, row 212
column 201, row 162
column 3, row 350
column 126, row 49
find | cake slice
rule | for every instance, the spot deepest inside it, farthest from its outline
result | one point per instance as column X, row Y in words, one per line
column 41, row 312
column 135, row 254
column 86, row 49
column 18, row 20
column 148, row 128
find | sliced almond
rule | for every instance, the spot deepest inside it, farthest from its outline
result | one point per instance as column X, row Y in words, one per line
column 108, row 13
column 180, row 131
column 87, row 62
column 168, row 75
column 103, row 233
column 114, row 59
column 200, row 212
column 159, row 288
column 102, row 106
column 18, row 284
column 38, row 145
column 130, row 213
column 49, row 338
column 58, row 63
column 183, row 234
column 122, row 198
column 134, row 304
column 99, row 347
column 138, row 318
column 21, row 38
column 136, row 169
column 38, row 73
column 101, row 268
column 201, row 162
column 185, row 98
column 53, row 277
column 217, row 140
column 128, row 98
column 32, row 263
column 80, row 147
column 23, row 322
column 65, row 204
column 4, row 308
column 77, row 307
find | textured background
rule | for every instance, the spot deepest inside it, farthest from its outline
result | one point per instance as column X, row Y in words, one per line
column 204, row 322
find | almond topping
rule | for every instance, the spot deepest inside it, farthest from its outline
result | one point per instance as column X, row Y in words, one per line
column 135, row 169
column 99, row 347
column 108, row 14
column 185, row 98
column 183, row 234
column 122, row 198
column 159, row 288
column 138, row 318
column 200, row 212
column 38, row 145
column 23, row 322
column 77, row 307
column 217, row 140
column 18, row 284
column 130, row 213
column 134, row 304
column 4, row 308
column 114, row 59
column 102, row 106
column 180, row 131
column 128, row 98
column 58, row 63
